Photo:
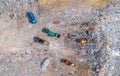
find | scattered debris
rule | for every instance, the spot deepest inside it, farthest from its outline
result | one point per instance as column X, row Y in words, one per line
column 11, row 16
column 87, row 32
column 84, row 25
column 92, row 26
column 100, row 15
column 56, row 22
column 87, row 23
column 71, row 35
column 44, row 63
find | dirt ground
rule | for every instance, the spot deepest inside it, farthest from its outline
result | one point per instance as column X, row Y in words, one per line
column 21, row 56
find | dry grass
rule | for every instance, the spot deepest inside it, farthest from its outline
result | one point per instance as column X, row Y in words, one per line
column 62, row 3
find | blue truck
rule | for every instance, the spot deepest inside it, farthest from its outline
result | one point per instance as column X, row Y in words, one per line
column 31, row 17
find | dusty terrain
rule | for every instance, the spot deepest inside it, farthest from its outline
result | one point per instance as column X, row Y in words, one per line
column 21, row 56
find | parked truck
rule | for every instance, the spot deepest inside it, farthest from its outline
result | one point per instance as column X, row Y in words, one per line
column 50, row 33
column 41, row 41
column 67, row 62
column 82, row 40
column 31, row 17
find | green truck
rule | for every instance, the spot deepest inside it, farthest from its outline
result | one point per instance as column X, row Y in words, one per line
column 50, row 33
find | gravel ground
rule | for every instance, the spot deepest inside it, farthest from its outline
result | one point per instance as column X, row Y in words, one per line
column 21, row 56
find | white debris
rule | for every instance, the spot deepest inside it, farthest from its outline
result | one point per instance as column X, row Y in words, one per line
column 44, row 64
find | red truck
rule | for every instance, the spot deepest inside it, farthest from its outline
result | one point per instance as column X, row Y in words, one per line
column 67, row 62
column 41, row 41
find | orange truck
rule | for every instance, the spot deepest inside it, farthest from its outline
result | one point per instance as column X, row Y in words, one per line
column 82, row 40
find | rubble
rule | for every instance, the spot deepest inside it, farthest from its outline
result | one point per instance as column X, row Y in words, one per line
column 11, row 16
column 44, row 63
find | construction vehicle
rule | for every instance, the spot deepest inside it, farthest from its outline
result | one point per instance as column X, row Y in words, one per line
column 50, row 33
column 41, row 41
column 82, row 40
column 67, row 62
column 31, row 17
